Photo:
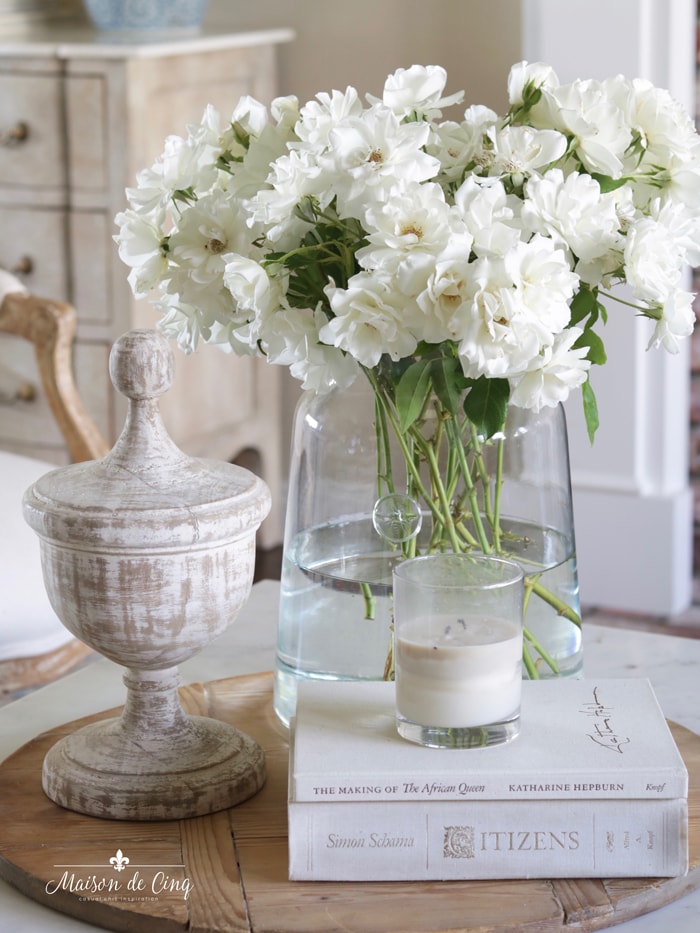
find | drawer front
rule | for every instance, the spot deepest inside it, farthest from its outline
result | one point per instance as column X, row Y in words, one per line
column 91, row 246
column 31, row 137
column 25, row 416
column 85, row 103
column 27, row 425
column 32, row 248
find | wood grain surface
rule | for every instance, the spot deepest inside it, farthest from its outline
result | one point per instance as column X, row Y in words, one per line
column 232, row 865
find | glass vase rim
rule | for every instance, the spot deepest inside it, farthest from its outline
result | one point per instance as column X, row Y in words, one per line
column 513, row 572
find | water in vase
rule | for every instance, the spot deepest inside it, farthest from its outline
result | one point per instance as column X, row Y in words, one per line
column 547, row 558
column 335, row 608
column 336, row 605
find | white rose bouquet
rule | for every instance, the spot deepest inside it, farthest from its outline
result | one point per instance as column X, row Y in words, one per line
column 459, row 265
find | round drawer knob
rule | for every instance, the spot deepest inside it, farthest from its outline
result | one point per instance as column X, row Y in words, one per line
column 23, row 266
column 17, row 134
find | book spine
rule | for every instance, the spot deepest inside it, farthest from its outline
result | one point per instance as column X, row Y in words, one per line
column 316, row 788
column 442, row 841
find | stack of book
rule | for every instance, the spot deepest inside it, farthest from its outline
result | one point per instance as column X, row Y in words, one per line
column 594, row 786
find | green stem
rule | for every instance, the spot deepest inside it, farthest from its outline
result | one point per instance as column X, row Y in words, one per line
column 456, row 442
column 482, row 473
column 369, row 599
column 528, row 662
column 467, row 535
column 497, row 496
column 449, row 479
column 408, row 457
column 384, row 466
column 446, row 515
column 530, row 639
column 533, row 585
column 654, row 313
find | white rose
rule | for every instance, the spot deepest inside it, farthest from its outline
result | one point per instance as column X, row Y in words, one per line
column 372, row 153
column 370, row 320
column 536, row 74
column 550, row 380
column 519, row 150
column 414, row 218
column 572, row 210
column 318, row 117
column 653, row 260
column 677, row 321
column 292, row 339
column 212, row 227
column 285, row 110
column 455, row 145
column 292, row 177
column 417, row 89
column 188, row 323
column 250, row 286
column 139, row 241
column 491, row 341
column 490, row 215
column 543, row 277
column 664, row 125
column 446, row 290
column 587, row 112
column 250, row 115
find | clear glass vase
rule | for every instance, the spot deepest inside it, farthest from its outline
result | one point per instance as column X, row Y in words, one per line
column 335, row 617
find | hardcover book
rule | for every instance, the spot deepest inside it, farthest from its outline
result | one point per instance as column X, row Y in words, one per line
column 594, row 786
column 585, row 739
column 461, row 840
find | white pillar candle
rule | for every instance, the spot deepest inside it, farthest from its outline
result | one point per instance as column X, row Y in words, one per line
column 454, row 674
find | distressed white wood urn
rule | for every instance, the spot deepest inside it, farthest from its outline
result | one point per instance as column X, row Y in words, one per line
column 148, row 555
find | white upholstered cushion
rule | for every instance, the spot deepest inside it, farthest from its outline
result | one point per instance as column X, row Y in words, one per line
column 28, row 624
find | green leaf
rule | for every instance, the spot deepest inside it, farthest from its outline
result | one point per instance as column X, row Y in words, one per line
column 596, row 348
column 240, row 135
column 590, row 410
column 186, row 195
column 607, row 183
column 449, row 382
column 411, row 391
column 486, row 405
column 583, row 305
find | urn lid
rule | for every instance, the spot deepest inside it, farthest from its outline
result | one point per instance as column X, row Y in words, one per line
column 145, row 492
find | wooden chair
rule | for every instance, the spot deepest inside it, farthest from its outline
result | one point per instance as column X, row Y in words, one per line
column 50, row 326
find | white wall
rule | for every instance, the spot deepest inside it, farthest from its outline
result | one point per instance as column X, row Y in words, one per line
column 359, row 42
column 633, row 506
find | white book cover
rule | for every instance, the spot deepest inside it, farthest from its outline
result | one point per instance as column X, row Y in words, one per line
column 579, row 739
column 460, row 840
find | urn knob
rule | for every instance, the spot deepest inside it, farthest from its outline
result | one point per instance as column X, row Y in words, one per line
column 141, row 364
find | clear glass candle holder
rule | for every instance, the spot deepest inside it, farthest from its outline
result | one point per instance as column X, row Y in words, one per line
column 458, row 639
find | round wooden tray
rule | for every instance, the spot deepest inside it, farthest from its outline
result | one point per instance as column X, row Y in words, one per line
column 227, row 873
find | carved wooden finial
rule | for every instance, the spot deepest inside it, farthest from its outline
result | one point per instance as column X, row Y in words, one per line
column 141, row 364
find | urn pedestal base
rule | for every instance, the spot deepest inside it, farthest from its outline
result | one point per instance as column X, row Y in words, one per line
column 153, row 762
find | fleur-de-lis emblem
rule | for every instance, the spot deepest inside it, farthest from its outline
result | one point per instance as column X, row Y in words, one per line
column 119, row 861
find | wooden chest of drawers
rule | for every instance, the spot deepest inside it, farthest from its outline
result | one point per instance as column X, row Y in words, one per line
column 79, row 115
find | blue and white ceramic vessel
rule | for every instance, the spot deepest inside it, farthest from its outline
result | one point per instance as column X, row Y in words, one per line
column 146, row 14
